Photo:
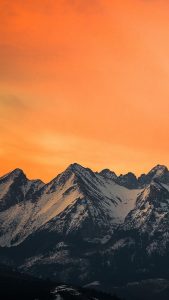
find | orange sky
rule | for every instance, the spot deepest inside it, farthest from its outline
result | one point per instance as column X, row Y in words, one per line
column 84, row 81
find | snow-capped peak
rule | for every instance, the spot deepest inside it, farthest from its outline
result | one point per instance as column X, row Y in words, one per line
column 79, row 170
column 76, row 167
column 152, row 206
column 158, row 171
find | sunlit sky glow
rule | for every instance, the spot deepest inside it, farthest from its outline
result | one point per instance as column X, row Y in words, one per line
column 84, row 81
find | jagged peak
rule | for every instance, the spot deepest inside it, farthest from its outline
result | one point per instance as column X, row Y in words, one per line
column 108, row 173
column 14, row 173
column 78, row 169
column 128, row 180
column 158, row 170
column 72, row 170
column 75, row 167
column 129, row 174
column 20, row 173
column 17, row 171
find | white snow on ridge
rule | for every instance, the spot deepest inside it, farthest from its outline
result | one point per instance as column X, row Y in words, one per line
column 21, row 219
column 52, row 204
column 4, row 187
column 125, row 199
column 63, row 288
column 166, row 186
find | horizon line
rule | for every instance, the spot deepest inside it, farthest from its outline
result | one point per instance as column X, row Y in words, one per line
column 84, row 167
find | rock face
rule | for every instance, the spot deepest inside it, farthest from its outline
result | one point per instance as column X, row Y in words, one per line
column 17, row 206
column 84, row 224
column 159, row 173
column 128, row 180
column 76, row 197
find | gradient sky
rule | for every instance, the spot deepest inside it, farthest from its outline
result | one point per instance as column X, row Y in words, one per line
column 84, row 81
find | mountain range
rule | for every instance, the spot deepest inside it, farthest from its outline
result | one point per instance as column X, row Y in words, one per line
column 92, row 229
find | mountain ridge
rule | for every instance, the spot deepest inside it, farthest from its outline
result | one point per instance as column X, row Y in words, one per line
column 105, row 172
column 83, row 224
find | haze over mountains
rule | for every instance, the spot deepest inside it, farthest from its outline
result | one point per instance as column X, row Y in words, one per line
column 84, row 224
